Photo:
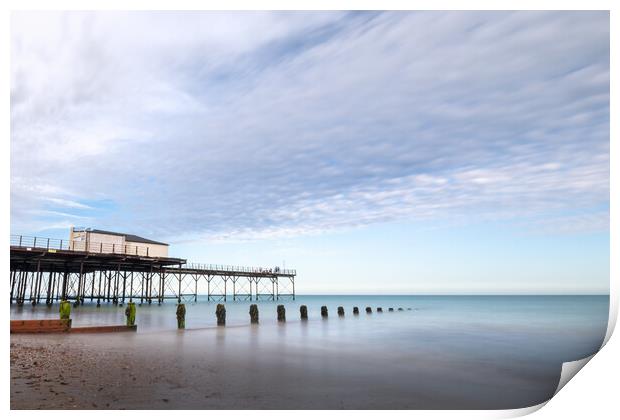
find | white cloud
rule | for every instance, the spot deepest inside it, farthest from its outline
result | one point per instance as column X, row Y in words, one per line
column 260, row 125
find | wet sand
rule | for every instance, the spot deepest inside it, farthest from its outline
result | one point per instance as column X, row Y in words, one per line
column 218, row 369
column 48, row 376
column 77, row 373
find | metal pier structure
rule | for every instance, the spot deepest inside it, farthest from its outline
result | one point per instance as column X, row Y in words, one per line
column 47, row 270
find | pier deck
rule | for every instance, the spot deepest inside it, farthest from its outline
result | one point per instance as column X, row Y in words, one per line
column 44, row 270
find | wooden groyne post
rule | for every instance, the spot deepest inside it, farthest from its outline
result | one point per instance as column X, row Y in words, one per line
column 303, row 310
column 356, row 310
column 281, row 313
column 220, row 313
column 65, row 310
column 324, row 311
column 254, row 314
column 130, row 314
column 340, row 311
column 181, row 316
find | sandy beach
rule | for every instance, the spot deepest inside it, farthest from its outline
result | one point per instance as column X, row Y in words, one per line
column 94, row 372
column 90, row 372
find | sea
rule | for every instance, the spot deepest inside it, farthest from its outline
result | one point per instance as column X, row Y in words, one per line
column 437, row 352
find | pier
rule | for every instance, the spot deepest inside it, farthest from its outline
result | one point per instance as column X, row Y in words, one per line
column 44, row 271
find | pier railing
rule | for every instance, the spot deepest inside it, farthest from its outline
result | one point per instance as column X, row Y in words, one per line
column 36, row 242
column 239, row 269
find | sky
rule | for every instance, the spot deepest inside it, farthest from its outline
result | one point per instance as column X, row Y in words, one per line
column 375, row 152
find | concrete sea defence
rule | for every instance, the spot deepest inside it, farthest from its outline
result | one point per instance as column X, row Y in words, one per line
column 42, row 326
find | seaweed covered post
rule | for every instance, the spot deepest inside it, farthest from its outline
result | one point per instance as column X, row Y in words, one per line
column 65, row 309
column 303, row 310
column 340, row 311
column 368, row 310
column 130, row 313
column 181, row 316
column 379, row 309
column 391, row 310
column 356, row 310
column 254, row 314
column 281, row 313
column 324, row 311
column 220, row 313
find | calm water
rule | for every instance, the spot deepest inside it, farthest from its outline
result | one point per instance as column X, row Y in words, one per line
column 446, row 352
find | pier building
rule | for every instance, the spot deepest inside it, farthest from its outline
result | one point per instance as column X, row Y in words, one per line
column 94, row 240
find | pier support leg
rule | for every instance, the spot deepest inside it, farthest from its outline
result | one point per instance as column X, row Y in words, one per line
column 150, row 288
column 99, row 291
column 160, row 295
column 116, row 284
column 81, row 285
column 54, row 289
column 34, row 288
column 141, row 288
column 37, row 295
column 65, row 276
column 40, row 281
column 15, row 285
column 18, row 292
column 58, row 284
column 29, row 279
column 179, row 300
column 49, row 289
column 131, row 287
column 124, row 285
column 22, row 293
column 145, row 287
column 92, row 287
column 108, row 279
column 13, row 275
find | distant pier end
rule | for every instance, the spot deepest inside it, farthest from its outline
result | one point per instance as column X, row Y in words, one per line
column 129, row 268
